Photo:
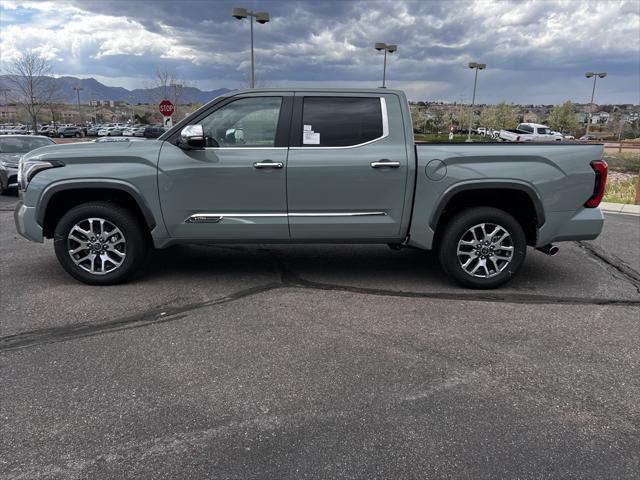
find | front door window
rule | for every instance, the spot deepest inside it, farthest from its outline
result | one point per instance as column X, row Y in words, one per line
column 247, row 122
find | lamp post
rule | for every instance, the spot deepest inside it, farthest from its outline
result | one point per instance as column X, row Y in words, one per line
column 386, row 48
column 595, row 76
column 78, row 89
column 94, row 95
column 261, row 17
column 474, row 66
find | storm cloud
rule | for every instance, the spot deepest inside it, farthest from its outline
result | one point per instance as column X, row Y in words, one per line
column 536, row 51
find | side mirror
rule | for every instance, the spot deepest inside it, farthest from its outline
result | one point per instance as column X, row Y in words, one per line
column 193, row 136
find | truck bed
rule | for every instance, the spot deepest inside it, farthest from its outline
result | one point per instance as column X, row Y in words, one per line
column 557, row 176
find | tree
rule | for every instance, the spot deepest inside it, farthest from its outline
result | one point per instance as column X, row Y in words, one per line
column 500, row 116
column 166, row 86
column 563, row 118
column 31, row 85
column 462, row 116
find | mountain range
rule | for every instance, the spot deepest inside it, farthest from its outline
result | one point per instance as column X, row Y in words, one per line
column 92, row 89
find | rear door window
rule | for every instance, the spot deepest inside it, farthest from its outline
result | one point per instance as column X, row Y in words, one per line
column 342, row 121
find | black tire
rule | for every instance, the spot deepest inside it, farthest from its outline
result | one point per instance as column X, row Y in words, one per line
column 122, row 218
column 61, row 135
column 457, row 227
column 78, row 135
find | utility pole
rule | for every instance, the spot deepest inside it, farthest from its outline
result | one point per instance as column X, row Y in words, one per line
column 176, row 86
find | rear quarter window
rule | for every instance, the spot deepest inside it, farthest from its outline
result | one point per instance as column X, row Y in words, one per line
column 341, row 121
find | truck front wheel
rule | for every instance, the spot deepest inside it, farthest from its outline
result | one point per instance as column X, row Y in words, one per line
column 482, row 247
column 100, row 243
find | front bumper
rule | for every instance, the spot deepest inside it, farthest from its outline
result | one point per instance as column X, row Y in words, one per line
column 26, row 224
column 8, row 177
column 585, row 224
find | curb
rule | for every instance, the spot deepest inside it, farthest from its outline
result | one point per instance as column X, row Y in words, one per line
column 626, row 209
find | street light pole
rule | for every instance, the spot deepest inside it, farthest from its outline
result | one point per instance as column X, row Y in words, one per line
column 78, row 89
column 387, row 48
column 475, row 66
column 595, row 76
column 261, row 17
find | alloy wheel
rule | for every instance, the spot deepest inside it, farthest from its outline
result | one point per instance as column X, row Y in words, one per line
column 485, row 250
column 96, row 245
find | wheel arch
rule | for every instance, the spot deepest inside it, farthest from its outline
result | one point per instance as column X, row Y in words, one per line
column 516, row 198
column 58, row 198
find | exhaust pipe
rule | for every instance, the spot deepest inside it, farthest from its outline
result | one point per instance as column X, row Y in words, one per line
column 550, row 249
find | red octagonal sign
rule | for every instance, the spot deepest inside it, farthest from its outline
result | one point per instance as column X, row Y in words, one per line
column 166, row 108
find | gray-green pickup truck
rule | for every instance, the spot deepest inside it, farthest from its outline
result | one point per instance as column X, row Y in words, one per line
column 308, row 166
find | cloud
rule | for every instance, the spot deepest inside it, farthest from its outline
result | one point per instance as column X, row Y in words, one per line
column 535, row 50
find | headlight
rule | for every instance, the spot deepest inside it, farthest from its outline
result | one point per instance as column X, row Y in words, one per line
column 27, row 169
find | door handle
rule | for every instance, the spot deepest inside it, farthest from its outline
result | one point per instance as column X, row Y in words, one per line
column 268, row 164
column 385, row 163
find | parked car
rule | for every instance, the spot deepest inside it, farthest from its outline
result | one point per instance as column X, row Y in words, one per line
column 139, row 131
column 588, row 137
column 19, row 130
column 92, row 131
column 529, row 132
column 12, row 147
column 46, row 130
column 109, row 132
column 304, row 177
column 68, row 132
column 154, row 131
column 127, row 132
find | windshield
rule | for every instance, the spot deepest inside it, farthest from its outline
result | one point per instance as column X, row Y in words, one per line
column 22, row 144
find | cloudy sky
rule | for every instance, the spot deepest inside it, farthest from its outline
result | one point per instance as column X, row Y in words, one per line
column 537, row 50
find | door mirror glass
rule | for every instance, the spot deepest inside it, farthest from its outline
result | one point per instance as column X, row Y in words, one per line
column 192, row 136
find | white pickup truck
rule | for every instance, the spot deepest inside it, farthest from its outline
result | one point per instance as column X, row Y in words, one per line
column 530, row 132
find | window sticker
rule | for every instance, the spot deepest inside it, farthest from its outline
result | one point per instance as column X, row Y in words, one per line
column 311, row 138
column 307, row 128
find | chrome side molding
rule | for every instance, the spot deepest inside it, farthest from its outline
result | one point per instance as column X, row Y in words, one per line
column 218, row 217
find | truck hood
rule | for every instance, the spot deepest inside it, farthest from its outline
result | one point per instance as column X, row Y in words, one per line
column 90, row 152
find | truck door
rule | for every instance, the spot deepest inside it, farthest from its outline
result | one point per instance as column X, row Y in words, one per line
column 347, row 167
column 234, row 189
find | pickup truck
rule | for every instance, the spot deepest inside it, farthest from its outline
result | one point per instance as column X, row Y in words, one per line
column 530, row 132
column 308, row 166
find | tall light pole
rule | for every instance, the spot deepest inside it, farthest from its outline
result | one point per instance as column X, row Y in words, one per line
column 474, row 66
column 387, row 48
column 78, row 89
column 94, row 95
column 261, row 17
column 595, row 76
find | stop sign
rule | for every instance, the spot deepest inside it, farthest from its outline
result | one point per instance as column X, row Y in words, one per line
column 166, row 108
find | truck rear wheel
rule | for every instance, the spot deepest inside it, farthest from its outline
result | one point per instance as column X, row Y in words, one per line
column 100, row 243
column 482, row 247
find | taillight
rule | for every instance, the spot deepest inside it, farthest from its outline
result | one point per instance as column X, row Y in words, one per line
column 600, row 167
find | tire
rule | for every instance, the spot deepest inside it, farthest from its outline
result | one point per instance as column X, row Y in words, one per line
column 61, row 135
column 127, row 239
column 500, row 263
column 78, row 135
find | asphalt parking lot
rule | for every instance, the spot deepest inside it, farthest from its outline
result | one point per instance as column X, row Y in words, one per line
column 321, row 362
